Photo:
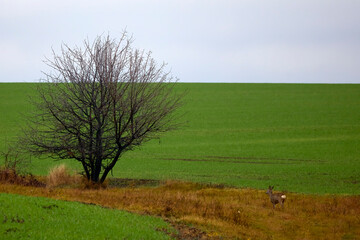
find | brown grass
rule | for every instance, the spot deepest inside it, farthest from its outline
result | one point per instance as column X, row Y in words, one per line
column 62, row 176
column 226, row 213
column 8, row 175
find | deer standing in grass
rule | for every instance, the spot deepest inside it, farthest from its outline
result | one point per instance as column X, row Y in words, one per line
column 276, row 198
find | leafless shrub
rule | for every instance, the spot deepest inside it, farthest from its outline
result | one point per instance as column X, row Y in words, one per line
column 15, row 161
column 15, row 169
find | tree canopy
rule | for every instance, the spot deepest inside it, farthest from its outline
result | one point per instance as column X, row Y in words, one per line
column 100, row 101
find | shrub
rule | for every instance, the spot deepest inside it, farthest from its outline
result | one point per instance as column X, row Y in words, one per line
column 14, row 170
column 62, row 176
column 10, row 176
column 15, row 161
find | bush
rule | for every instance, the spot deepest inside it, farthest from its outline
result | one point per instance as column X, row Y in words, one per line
column 10, row 176
column 14, row 170
column 62, row 176
column 15, row 161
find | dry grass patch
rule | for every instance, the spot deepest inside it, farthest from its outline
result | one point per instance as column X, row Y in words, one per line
column 12, row 177
column 62, row 176
column 226, row 213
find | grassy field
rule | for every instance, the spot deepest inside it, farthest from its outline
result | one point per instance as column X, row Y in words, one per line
column 41, row 218
column 299, row 137
column 199, row 211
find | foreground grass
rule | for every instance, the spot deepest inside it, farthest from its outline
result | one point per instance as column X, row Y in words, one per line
column 298, row 137
column 40, row 218
column 224, row 213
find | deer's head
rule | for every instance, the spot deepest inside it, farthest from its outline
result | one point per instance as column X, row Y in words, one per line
column 269, row 191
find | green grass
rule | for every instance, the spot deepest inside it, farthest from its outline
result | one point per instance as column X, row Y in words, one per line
column 40, row 218
column 298, row 137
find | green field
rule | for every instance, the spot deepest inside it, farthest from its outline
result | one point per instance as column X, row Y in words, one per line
column 298, row 137
column 41, row 218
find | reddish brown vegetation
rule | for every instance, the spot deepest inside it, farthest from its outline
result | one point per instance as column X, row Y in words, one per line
column 11, row 176
column 225, row 213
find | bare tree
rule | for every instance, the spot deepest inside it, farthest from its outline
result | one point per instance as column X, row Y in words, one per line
column 99, row 102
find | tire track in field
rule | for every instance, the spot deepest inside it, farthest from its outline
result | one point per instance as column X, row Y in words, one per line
column 266, row 158
column 245, row 160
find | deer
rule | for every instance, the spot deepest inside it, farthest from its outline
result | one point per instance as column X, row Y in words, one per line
column 276, row 198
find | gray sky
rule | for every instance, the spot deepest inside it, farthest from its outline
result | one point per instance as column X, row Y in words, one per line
column 202, row 41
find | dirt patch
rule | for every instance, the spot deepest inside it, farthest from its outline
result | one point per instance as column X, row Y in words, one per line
column 186, row 232
column 49, row 207
column 16, row 219
column 10, row 230
column 128, row 182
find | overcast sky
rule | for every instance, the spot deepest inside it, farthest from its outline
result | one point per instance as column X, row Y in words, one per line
column 202, row 41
